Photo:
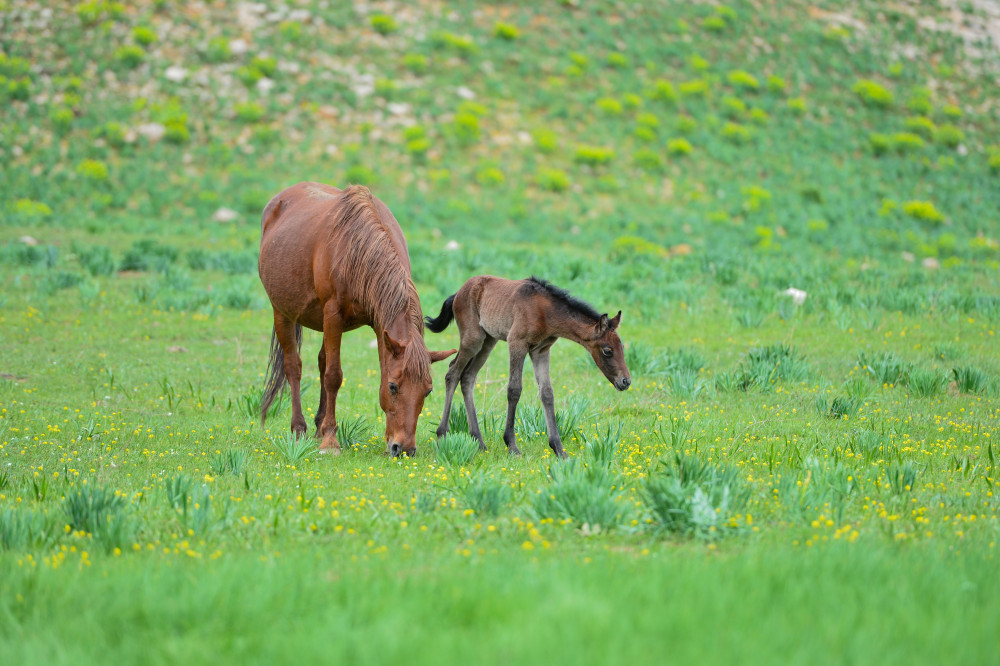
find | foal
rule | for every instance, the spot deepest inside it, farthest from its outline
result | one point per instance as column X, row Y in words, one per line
column 530, row 315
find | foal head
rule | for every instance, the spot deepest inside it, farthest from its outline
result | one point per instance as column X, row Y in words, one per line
column 406, row 382
column 608, row 353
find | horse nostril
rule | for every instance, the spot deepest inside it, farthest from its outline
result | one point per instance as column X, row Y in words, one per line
column 626, row 382
column 395, row 449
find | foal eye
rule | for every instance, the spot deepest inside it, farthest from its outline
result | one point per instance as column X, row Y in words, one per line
column 607, row 351
column 393, row 389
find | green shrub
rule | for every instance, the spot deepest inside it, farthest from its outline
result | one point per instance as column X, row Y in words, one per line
column 949, row 135
column 217, row 50
column 776, row 84
column 144, row 35
column 733, row 107
column 61, row 119
column 552, row 180
column 93, row 170
column 465, row 126
column 130, row 55
column 249, row 112
column 923, row 211
column 593, row 155
column 416, row 63
column 358, row 174
column 743, row 80
column 692, row 497
column 663, row 91
column 490, row 177
column 383, row 24
column 586, row 494
column 455, row 449
column 463, row 46
column 885, row 368
column 679, row 147
column 735, row 133
column 648, row 160
column 616, row 60
column 506, row 31
column 797, row 105
column 610, row 106
column 872, row 94
column 970, row 379
column 694, row 88
column 921, row 125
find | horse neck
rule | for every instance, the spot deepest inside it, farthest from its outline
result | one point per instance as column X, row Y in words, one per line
column 575, row 326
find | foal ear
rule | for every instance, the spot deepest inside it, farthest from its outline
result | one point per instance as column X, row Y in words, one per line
column 393, row 347
column 441, row 355
column 602, row 325
column 615, row 321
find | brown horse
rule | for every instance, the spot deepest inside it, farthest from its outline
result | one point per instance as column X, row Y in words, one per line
column 530, row 315
column 334, row 260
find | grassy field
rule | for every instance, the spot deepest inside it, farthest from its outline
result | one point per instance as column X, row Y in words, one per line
column 787, row 480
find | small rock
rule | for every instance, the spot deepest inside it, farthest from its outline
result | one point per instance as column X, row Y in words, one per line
column 908, row 257
column 264, row 85
column 177, row 350
column 398, row 108
column 797, row 295
column 238, row 47
column 175, row 73
column 225, row 215
column 930, row 263
column 452, row 245
column 28, row 240
column 373, row 344
column 681, row 250
column 465, row 93
column 152, row 131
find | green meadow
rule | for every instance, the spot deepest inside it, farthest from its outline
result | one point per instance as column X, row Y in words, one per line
column 795, row 205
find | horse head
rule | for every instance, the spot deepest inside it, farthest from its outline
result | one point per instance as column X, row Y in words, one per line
column 608, row 352
column 406, row 382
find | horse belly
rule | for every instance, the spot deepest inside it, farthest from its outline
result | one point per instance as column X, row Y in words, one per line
column 286, row 271
column 496, row 316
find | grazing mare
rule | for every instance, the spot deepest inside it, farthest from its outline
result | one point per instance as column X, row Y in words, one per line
column 530, row 315
column 334, row 260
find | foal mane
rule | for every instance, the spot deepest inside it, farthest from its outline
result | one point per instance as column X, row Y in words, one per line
column 382, row 284
column 563, row 297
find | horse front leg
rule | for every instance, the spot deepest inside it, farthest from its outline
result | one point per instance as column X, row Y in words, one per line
column 540, row 362
column 517, row 353
column 321, row 410
column 333, row 377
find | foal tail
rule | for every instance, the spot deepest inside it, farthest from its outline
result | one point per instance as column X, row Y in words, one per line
column 444, row 318
column 276, row 381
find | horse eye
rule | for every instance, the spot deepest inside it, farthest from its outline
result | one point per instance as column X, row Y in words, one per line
column 429, row 391
column 608, row 353
column 393, row 389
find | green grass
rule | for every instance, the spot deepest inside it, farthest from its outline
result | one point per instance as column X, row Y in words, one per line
column 772, row 467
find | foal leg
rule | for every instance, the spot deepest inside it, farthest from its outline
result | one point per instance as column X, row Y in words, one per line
column 321, row 410
column 540, row 362
column 469, row 388
column 284, row 330
column 333, row 376
column 467, row 350
column 518, row 350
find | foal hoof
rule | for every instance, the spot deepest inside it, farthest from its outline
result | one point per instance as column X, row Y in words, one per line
column 514, row 451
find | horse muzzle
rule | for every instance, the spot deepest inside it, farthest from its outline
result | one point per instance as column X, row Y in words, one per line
column 396, row 449
column 622, row 383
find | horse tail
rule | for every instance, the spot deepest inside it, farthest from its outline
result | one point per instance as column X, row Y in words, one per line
column 276, row 380
column 444, row 318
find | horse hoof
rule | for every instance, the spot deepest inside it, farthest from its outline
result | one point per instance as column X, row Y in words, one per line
column 333, row 451
column 514, row 451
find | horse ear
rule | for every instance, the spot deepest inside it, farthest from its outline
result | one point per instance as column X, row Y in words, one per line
column 613, row 323
column 393, row 347
column 602, row 324
column 441, row 355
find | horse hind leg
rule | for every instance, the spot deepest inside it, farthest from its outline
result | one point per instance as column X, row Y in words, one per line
column 468, row 382
column 467, row 351
column 289, row 336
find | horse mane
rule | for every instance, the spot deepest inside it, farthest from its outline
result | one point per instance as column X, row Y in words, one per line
column 382, row 284
column 563, row 297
